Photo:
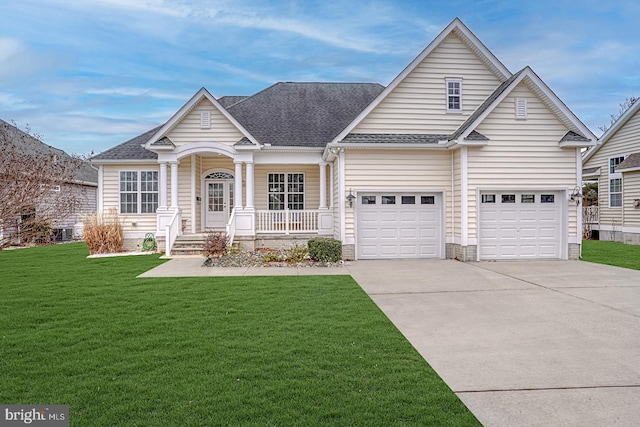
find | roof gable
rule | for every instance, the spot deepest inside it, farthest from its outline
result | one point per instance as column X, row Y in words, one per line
column 614, row 129
column 468, row 39
column 184, row 112
column 578, row 135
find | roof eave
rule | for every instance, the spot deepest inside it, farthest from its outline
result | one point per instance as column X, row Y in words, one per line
column 612, row 130
column 632, row 169
column 386, row 145
column 122, row 161
column 576, row 144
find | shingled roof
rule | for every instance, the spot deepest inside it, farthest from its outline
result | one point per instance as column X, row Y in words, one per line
column 631, row 162
column 86, row 174
column 131, row 149
column 303, row 114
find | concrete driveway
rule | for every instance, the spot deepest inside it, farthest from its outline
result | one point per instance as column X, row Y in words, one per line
column 521, row 343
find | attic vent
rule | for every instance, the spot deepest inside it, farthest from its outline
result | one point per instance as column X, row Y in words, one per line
column 521, row 108
column 205, row 119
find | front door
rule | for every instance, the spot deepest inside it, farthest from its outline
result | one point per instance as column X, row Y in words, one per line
column 219, row 197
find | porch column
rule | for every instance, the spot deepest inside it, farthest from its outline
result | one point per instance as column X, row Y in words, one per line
column 174, row 184
column 323, row 185
column 237, row 191
column 162, row 183
column 249, row 185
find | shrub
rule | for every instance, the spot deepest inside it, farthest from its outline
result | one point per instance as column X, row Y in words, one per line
column 39, row 232
column 103, row 233
column 297, row 254
column 325, row 250
column 216, row 244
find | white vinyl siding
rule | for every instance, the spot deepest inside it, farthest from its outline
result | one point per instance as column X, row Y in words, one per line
column 417, row 104
column 220, row 129
column 521, row 154
column 625, row 141
column 409, row 170
column 144, row 223
column 631, row 193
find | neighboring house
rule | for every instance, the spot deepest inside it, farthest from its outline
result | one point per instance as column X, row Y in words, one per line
column 456, row 158
column 84, row 185
column 615, row 164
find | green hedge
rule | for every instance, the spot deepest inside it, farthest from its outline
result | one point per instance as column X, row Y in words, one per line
column 325, row 250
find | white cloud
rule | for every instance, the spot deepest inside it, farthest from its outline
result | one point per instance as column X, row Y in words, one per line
column 135, row 92
column 160, row 7
column 11, row 102
column 9, row 47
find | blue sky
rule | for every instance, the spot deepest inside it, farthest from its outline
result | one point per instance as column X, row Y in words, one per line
column 89, row 74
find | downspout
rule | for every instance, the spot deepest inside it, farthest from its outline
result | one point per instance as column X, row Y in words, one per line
column 464, row 198
column 579, row 205
column 341, row 196
column 453, row 201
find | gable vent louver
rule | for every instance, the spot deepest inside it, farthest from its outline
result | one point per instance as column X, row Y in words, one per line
column 521, row 108
column 205, row 119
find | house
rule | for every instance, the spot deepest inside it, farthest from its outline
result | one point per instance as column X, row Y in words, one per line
column 615, row 164
column 456, row 158
column 61, row 207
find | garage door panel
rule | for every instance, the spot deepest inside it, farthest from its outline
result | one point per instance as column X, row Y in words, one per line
column 368, row 217
column 408, row 216
column 408, row 251
column 388, row 233
column 390, row 251
column 428, row 251
column 525, row 229
column 528, row 215
column 510, row 215
column 411, row 230
column 428, row 233
column 408, row 233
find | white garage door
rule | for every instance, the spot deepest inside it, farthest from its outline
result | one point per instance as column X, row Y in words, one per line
column 399, row 225
column 521, row 225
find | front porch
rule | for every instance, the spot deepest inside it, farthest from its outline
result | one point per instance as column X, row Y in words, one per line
column 249, row 197
column 274, row 229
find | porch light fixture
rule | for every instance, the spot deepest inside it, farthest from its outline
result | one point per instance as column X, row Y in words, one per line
column 350, row 198
column 576, row 196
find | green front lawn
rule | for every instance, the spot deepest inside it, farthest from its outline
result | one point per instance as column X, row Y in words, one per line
column 611, row 253
column 205, row 351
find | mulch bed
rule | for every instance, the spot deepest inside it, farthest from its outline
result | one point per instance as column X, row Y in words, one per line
column 264, row 258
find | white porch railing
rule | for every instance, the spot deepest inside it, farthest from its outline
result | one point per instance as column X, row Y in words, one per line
column 231, row 227
column 172, row 230
column 287, row 221
column 590, row 215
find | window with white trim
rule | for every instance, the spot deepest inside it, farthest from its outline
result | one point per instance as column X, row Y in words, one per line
column 138, row 192
column 454, row 94
column 615, row 182
column 286, row 190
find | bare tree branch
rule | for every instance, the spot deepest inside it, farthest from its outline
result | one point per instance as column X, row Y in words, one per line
column 624, row 106
column 34, row 179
